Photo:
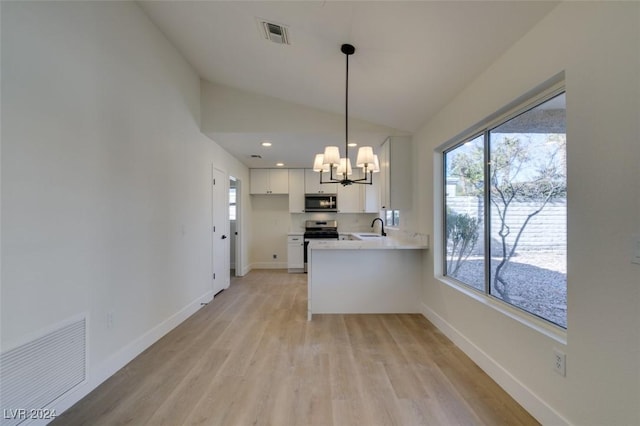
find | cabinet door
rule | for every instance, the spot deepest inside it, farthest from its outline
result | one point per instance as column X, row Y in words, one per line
column 278, row 181
column 295, row 252
column 296, row 191
column 372, row 195
column 384, row 175
column 269, row 181
column 350, row 198
column 395, row 173
column 259, row 181
column 312, row 183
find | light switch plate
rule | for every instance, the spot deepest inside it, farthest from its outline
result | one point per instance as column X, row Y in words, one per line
column 635, row 250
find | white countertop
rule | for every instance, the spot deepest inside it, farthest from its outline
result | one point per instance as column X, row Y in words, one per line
column 415, row 242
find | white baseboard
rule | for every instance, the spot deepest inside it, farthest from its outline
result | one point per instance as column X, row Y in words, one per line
column 243, row 271
column 269, row 265
column 531, row 402
column 122, row 357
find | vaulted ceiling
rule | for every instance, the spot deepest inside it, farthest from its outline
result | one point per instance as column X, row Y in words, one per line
column 411, row 58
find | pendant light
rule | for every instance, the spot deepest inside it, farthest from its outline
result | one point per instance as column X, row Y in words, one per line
column 339, row 168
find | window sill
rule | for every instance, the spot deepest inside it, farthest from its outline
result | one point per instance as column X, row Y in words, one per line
column 548, row 329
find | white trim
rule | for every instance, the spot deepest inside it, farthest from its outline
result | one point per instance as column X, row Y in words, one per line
column 525, row 318
column 269, row 265
column 122, row 357
column 243, row 271
column 531, row 402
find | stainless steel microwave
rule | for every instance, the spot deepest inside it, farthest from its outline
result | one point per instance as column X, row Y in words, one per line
column 320, row 203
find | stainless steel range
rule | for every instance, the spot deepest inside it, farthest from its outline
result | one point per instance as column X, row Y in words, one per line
column 319, row 230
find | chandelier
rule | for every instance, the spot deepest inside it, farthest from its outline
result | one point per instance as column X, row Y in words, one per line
column 339, row 168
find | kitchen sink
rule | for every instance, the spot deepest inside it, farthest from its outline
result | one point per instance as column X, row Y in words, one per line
column 366, row 235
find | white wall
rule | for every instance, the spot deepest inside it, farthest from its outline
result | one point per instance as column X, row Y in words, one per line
column 270, row 219
column 230, row 110
column 106, row 193
column 597, row 45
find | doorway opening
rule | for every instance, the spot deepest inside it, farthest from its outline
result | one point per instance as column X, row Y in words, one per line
column 234, row 227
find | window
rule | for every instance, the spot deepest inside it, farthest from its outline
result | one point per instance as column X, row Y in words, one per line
column 232, row 203
column 392, row 218
column 505, row 219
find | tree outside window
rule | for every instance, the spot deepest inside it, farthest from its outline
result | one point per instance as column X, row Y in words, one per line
column 510, row 183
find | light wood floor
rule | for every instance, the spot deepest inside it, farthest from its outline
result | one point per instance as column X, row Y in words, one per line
column 251, row 358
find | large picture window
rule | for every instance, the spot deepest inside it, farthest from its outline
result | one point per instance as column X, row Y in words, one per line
column 505, row 219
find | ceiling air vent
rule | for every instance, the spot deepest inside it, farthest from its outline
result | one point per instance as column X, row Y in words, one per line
column 274, row 32
column 255, row 156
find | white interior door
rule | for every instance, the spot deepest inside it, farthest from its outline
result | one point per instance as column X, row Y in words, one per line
column 220, row 231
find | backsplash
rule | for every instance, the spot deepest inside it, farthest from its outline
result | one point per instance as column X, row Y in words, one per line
column 347, row 222
column 414, row 237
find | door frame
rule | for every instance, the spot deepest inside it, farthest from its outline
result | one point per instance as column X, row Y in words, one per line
column 238, row 235
column 223, row 186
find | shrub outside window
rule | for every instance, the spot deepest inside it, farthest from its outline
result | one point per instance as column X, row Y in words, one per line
column 508, row 182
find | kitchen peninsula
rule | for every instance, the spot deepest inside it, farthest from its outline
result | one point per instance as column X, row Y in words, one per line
column 367, row 274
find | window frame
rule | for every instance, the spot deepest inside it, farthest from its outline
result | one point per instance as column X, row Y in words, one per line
column 554, row 87
column 395, row 218
column 233, row 205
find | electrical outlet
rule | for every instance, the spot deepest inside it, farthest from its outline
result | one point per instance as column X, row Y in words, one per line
column 560, row 362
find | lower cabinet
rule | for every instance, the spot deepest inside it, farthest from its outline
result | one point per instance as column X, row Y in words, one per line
column 295, row 253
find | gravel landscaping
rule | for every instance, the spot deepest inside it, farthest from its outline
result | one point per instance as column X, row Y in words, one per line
column 537, row 282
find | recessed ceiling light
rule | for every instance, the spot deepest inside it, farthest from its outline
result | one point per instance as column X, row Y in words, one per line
column 280, row 164
column 266, row 143
column 352, row 144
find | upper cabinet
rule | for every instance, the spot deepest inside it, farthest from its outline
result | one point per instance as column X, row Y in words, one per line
column 296, row 190
column 395, row 173
column 350, row 198
column 269, row 181
column 312, row 183
column 358, row 198
column 371, row 202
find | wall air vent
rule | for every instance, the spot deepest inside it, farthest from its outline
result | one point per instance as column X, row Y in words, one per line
column 273, row 32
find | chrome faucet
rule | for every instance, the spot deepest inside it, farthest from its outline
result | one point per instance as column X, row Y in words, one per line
column 384, row 234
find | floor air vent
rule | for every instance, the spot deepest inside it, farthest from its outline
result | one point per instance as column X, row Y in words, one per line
column 37, row 373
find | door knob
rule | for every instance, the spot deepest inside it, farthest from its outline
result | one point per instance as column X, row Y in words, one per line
column 224, row 237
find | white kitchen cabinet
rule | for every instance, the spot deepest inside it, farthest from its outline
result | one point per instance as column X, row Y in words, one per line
column 312, row 183
column 295, row 253
column 358, row 198
column 390, row 282
column 351, row 198
column 371, row 202
column 269, row 181
column 296, row 190
column 395, row 173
